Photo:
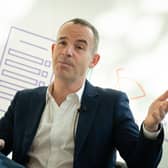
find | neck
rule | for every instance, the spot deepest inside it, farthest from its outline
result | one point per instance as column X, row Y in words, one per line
column 61, row 89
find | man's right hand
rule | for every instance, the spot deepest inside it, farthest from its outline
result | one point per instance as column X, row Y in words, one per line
column 2, row 144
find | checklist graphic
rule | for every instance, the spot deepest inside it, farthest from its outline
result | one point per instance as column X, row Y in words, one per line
column 25, row 63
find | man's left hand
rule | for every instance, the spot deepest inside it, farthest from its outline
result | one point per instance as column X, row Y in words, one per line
column 156, row 113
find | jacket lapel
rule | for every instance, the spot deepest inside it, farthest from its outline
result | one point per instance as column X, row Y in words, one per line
column 86, row 116
column 37, row 105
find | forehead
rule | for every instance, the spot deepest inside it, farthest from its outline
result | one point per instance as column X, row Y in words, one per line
column 76, row 32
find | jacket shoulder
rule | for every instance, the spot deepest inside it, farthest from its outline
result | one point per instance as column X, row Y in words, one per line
column 32, row 91
column 31, row 94
column 110, row 92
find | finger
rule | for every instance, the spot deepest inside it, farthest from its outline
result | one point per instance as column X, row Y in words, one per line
column 2, row 144
column 164, row 96
column 163, row 109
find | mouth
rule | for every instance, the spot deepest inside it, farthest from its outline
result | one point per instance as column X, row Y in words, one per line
column 65, row 63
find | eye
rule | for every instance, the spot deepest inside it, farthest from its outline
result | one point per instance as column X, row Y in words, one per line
column 62, row 43
column 80, row 47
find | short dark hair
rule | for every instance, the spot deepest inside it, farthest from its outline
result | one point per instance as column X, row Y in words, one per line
column 89, row 25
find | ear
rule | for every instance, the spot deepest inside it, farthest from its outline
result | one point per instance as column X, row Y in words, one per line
column 94, row 60
column 52, row 47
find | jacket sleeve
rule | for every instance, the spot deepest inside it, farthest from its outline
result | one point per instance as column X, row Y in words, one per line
column 137, row 150
column 6, row 127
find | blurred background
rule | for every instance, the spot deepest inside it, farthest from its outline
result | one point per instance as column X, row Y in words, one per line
column 133, row 47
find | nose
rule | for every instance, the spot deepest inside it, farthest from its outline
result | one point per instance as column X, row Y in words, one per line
column 68, row 51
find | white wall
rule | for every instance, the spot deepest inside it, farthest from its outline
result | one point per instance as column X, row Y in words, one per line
column 133, row 47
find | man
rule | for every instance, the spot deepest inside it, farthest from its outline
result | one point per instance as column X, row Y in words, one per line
column 74, row 124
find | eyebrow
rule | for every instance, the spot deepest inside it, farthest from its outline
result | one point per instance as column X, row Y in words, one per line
column 61, row 38
column 82, row 41
column 79, row 40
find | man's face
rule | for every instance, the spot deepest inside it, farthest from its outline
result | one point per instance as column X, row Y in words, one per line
column 73, row 52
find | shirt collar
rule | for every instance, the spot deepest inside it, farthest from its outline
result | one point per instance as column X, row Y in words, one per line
column 79, row 93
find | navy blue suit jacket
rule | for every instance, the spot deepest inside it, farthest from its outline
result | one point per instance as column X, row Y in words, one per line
column 105, row 124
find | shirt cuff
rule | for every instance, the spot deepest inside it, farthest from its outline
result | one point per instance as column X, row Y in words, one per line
column 151, row 135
